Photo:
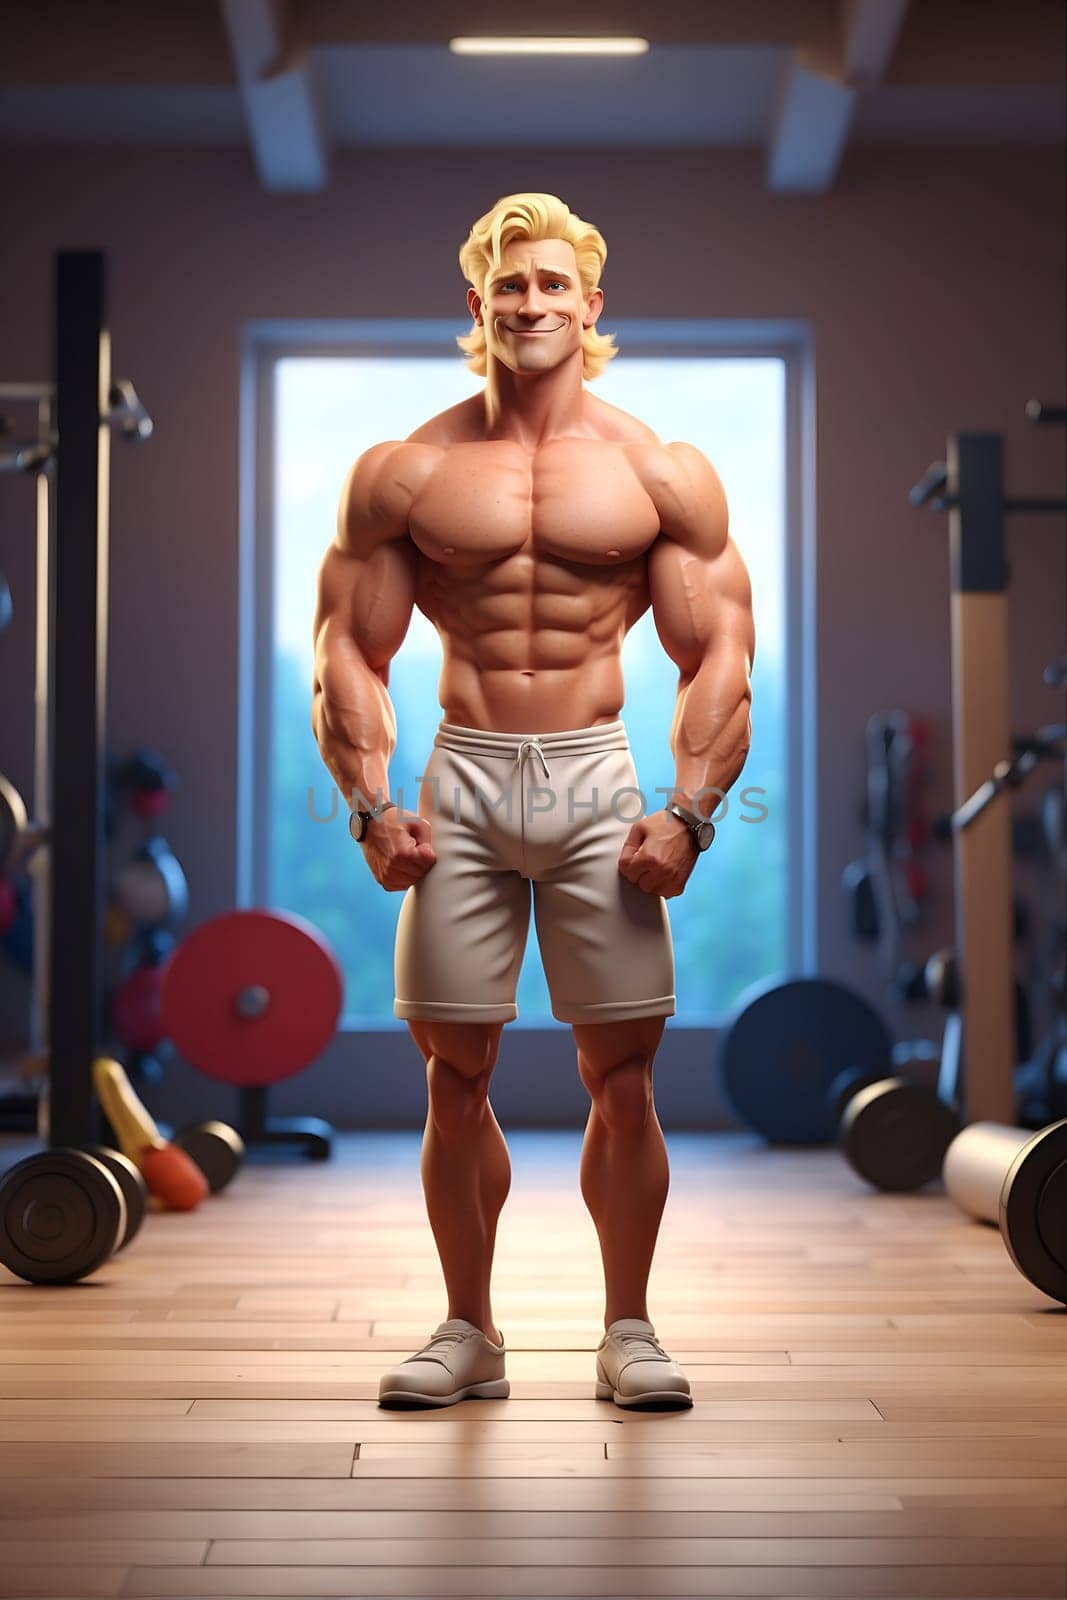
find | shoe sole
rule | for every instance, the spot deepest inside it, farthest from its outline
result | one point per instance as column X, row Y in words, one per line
column 651, row 1397
column 494, row 1389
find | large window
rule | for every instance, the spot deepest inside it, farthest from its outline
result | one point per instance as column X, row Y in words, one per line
column 318, row 408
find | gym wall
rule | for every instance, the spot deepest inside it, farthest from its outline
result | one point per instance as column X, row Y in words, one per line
column 932, row 280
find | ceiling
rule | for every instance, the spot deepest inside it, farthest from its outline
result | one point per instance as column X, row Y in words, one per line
column 299, row 79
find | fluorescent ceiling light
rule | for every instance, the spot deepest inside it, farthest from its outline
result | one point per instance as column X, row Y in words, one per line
column 547, row 47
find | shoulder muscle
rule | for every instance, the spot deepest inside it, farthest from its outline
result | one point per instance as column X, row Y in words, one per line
column 687, row 494
column 378, row 492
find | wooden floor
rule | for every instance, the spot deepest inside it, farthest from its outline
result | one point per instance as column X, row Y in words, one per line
column 880, row 1399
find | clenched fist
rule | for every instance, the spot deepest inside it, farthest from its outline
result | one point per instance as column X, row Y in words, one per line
column 658, row 854
column 398, row 849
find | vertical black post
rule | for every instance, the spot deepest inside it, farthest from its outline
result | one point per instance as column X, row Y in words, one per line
column 79, row 635
column 976, row 521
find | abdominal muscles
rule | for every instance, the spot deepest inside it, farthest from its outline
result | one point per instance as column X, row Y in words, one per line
column 531, row 644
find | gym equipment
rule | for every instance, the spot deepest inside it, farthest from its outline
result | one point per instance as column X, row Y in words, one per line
column 969, row 485
column 8, row 905
column 167, row 1170
column 1017, row 1180
column 151, row 888
column 135, row 1012
column 63, row 1214
column 18, row 939
column 809, row 1059
column 150, row 781
column 783, row 1047
column 886, row 889
column 1040, row 1083
column 893, row 1131
column 134, row 1189
column 941, row 983
column 71, row 458
column 217, row 1149
column 250, row 998
column 19, row 838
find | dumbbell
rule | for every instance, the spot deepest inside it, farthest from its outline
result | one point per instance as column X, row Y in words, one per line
column 893, row 1132
column 1017, row 1180
column 64, row 1212
column 217, row 1149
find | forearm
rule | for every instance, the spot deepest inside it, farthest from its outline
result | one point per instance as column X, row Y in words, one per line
column 355, row 728
column 712, row 730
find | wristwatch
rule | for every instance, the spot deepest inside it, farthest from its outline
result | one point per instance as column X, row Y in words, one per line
column 357, row 822
column 702, row 830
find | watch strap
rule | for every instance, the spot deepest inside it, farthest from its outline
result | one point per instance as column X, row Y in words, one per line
column 702, row 828
column 366, row 817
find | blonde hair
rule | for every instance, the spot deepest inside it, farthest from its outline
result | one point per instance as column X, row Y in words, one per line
column 534, row 216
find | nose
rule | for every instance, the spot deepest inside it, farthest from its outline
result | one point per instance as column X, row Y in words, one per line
column 533, row 303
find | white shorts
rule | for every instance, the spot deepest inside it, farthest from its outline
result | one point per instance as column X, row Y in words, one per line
column 507, row 810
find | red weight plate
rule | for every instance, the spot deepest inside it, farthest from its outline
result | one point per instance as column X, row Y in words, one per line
column 283, row 972
column 135, row 1010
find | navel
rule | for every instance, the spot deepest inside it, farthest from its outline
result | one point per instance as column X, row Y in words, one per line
column 613, row 552
column 449, row 550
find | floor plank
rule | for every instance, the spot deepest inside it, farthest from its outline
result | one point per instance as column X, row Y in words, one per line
column 881, row 1399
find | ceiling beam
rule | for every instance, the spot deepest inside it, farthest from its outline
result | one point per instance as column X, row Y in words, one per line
column 820, row 92
column 278, row 93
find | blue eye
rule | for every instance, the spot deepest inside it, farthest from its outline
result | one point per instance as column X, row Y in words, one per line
column 504, row 288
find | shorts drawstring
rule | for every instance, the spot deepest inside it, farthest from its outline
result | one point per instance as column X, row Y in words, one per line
column 525, row 749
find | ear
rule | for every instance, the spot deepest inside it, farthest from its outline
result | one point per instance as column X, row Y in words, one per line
column 593, row 307
column 474, row 304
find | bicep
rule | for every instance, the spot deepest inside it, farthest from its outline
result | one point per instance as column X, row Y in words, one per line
column 364, row 608
column 700, row 602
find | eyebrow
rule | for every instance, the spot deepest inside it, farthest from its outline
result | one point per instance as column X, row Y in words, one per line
column 552, row 272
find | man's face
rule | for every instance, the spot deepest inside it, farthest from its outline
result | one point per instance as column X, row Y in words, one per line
column 533, row 312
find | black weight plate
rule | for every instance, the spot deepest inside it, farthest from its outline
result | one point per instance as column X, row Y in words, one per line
column 845, row 1085
column 61, row 1216
column 217, row 1149
column 895, row 1134
column 131, row 1182
column 784, row 1045
column 1031, row 1210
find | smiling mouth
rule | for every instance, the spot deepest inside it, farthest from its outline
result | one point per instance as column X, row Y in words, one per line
column 526, row 331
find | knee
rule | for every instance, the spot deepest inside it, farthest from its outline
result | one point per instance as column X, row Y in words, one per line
column 459, row 1066
column 623, row 1092
column 455, row 1097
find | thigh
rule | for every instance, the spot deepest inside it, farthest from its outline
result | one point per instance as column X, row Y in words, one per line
column 605, row 943
column 462, row 927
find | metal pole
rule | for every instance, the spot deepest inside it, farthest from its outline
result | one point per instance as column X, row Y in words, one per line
column 83, row 383
column 40, row 864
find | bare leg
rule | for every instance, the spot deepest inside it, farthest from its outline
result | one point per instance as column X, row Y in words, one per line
column 624, row 1171
column 466, row 1172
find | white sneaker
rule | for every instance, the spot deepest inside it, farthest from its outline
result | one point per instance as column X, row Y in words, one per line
column 458, row 1363
column 633, row 1369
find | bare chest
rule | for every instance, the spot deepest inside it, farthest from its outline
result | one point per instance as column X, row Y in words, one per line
column 576, row 500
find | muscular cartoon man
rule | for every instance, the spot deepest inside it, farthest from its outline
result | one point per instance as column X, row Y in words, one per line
column 533, row 524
